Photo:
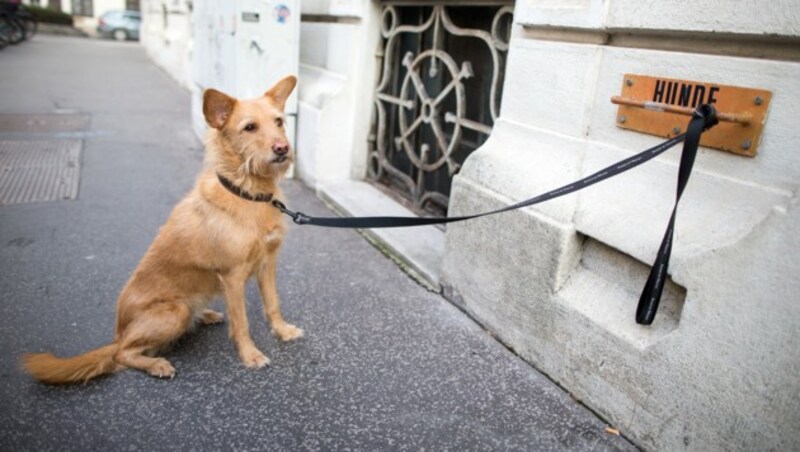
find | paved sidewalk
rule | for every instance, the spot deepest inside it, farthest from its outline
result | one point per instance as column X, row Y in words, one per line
column 385, row 364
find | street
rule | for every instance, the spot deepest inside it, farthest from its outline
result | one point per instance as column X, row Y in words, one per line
column 384, row 364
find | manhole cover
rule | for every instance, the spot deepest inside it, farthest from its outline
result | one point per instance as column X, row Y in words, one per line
column 39, row 170
column 44, row 123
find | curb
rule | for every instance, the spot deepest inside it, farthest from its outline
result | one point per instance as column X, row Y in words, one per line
column 62, row 30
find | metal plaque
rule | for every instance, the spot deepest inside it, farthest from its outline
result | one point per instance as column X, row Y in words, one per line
column 250, row 16
column 660, row 106
column 39, row 170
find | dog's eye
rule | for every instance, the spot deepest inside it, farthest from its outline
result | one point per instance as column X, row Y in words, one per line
column 251, row 127
column 279, row 122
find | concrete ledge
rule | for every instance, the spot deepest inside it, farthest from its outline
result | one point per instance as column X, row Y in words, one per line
column 61, row 30
column 605, row 286
column 419, row 250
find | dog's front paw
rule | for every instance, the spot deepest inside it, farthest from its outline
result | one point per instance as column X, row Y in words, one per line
column 253, row 358
column 287, row 332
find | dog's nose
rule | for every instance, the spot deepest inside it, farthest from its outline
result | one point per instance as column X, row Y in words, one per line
column 280, row 148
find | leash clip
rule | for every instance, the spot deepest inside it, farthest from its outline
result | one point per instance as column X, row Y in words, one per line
column 300, row 218
column 297, row 217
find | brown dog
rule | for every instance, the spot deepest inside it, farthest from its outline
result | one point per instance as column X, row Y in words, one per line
column 212, row 243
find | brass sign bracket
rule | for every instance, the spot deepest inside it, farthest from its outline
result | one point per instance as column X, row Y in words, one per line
column 660, row 106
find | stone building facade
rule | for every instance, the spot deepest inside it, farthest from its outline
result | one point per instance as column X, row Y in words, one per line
column 559, row 282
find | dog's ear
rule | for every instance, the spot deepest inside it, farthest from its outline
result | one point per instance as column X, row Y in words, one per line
column 281, row 91
column 217, row 107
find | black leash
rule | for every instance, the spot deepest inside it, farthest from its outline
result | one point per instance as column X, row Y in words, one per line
column 394, row 222
column 703, row 118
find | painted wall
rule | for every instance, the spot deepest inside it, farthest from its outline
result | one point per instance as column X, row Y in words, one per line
column 337, row 45
column 559, row 282
column 166, row 34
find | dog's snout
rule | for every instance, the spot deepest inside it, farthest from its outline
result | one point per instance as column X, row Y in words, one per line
column 280, row 148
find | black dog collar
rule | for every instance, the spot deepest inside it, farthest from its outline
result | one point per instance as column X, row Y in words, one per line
column 231, row 187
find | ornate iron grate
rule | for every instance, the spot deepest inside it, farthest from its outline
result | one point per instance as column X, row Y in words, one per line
column 439, row 90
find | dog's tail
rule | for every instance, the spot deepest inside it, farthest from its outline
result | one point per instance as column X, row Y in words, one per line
column 78, row 369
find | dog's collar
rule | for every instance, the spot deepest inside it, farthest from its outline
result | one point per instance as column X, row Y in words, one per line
column 231, row 187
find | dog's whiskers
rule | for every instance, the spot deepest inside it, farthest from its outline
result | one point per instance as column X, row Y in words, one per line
column 247, row 165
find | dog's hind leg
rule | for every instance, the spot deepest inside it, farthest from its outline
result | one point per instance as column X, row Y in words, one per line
column 211, row 317
column 150, row 331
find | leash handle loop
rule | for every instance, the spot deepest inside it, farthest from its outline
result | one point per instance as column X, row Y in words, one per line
column 703, row 119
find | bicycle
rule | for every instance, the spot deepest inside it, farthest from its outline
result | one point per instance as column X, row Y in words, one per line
column 28, row 21
column 11, row 31
column 16, row 23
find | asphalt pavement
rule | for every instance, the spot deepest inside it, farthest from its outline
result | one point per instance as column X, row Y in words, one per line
column 384, row 365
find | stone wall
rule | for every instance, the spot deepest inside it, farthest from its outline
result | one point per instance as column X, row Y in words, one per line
column 559, row 282
column 337, row 47
column 166, row 35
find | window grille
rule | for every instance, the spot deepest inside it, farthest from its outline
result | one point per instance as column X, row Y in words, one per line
column 438, row 94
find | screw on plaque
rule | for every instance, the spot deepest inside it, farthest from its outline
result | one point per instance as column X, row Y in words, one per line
column 758, row 100
column 622, row 119
column 746, row 144
column 676, row 130
column 629, row 82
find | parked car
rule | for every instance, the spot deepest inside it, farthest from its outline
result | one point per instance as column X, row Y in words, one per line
column 120, row 25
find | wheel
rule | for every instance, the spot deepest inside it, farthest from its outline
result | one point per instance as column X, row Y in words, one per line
column 13, row 32
column 22, row 27
column 4, row 31
column 31, row 26
column 27, row 19
column 120, row 35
